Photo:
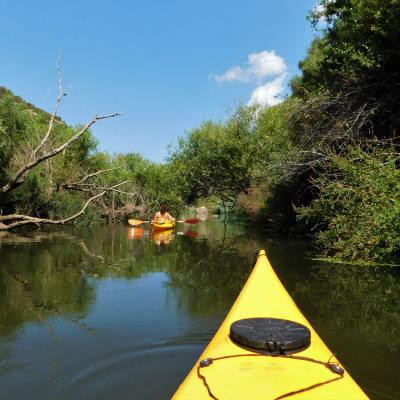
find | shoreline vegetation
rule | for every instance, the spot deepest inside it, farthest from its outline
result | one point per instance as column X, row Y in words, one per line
column 324, row 163
column 359, row 263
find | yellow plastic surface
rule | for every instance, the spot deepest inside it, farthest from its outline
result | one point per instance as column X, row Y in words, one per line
column 265, row 377
column 165, row 225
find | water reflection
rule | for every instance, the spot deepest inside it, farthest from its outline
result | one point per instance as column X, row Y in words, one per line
column 107, row 296
column 354, row 309
column 164, row 237
column 49, row 274
column 189, row 233
column 362, row 305
column 135, row 233
column 38, row 282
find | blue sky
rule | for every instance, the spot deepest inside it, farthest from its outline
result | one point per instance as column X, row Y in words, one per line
column 166, row 65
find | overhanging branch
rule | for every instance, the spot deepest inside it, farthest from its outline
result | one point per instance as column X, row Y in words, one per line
column 20, row 176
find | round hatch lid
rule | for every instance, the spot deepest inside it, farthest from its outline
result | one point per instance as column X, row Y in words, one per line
column 270, row 335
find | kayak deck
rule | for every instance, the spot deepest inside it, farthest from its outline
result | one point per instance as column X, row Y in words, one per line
column 163, row 226
column 236, row 373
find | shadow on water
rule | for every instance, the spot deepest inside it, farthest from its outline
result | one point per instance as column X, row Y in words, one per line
column 107, row 311
column 357, row 313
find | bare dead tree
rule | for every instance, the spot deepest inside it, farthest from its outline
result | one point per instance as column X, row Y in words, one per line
column 118, row 203
column 44, row 151
column 11, row 221
column 34, row 159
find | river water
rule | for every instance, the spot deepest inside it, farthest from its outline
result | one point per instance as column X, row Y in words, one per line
column 114, row 312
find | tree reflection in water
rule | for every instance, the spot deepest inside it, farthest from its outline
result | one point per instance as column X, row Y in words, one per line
column 50, row 275
column 38, row 281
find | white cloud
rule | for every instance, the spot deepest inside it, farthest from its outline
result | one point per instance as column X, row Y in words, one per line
column 259, row 66
column 265, row 69
column 269, row 94
column 232, row 74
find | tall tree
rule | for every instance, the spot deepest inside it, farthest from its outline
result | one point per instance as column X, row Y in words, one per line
column 356, row 61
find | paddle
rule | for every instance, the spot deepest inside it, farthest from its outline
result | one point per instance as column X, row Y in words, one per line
column 136, row 222
column 190, row 221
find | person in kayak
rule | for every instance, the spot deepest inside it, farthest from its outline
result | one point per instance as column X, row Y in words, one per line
column 163, row 216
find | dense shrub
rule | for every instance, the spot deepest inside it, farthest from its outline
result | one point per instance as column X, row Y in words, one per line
column 357, row 212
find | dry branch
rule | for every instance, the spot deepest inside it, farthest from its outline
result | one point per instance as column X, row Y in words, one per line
column 61, row 94
column 102, row 171
column 25, row 219
column 20, row 176
column 116, row 205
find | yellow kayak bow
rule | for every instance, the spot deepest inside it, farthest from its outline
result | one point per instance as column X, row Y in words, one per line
column 229, row 369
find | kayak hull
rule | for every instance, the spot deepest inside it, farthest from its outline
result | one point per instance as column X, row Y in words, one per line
column 245, row 376
column 162, row 227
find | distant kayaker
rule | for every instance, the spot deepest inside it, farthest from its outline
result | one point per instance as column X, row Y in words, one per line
column 163, row 215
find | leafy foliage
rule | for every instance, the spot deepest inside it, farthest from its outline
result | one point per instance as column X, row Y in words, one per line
column 358, row 206
column 346, row 127
column 59, row 186
column 357, row 58
column 361, row 39
column 217, row 159
column 328, row 152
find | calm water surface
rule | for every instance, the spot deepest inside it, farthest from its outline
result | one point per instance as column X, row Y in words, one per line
column 112, row 312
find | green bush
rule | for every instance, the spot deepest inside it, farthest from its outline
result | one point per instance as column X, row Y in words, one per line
column 357, row 212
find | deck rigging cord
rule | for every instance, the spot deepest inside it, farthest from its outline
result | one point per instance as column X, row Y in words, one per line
column 334, row 367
